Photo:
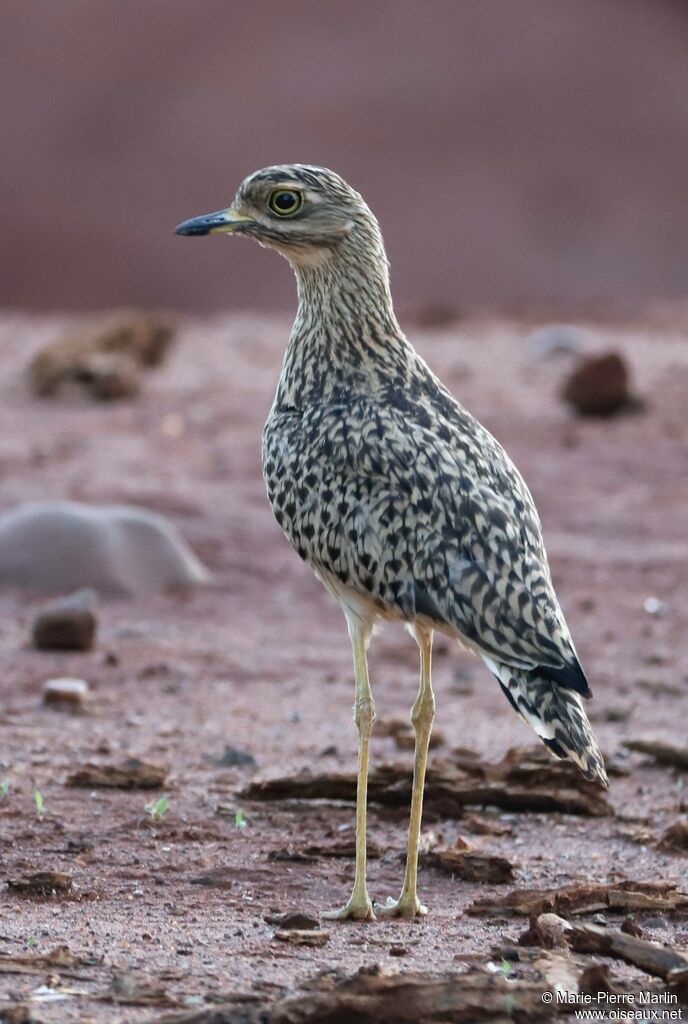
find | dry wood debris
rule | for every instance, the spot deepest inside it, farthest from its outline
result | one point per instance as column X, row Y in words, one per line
column 471, row 865
column 308, row 852
column 105, row 357
column 585, row 899
column 293, row 919
column 130, row 774
column 303, row 936
column 37, row 963
column 41, row 883
column 525, row 780
column 663, row 961
column 128, row 989
column 374, row 997
column 663, row 753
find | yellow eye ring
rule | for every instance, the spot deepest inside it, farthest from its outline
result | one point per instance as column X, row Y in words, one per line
column 285, row 202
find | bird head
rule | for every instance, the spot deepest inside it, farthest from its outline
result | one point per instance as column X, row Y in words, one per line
column 303, row 212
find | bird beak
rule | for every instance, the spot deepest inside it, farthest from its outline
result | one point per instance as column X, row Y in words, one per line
column 213, row 223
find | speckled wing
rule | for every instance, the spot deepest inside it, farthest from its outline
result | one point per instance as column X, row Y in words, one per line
column 431, row 525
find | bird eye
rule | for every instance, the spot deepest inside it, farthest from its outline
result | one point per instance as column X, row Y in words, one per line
column 284, row 202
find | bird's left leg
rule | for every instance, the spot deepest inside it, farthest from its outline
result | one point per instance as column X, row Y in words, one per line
column 359, row 904
column 422, row 716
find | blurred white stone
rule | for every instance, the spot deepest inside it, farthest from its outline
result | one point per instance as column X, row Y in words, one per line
column 653, row 606
column 60, row 546
column 554, row 338
column 67, row 692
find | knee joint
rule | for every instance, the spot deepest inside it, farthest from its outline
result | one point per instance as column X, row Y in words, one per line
column 423, row 711
column 364, row 714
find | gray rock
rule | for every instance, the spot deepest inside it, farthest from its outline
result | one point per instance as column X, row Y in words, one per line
column 59, row 546
column 557, row 338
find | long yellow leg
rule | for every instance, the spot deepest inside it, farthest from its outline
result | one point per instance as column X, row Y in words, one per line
column 422, row 716
column 359, row 904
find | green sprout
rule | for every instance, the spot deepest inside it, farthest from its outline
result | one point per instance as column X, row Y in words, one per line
column 4, row 788
column 157, row 809
column 240, row 819
column 39, row 801
column 507, row 967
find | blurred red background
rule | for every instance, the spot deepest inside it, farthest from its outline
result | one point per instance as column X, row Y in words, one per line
column 514, row 150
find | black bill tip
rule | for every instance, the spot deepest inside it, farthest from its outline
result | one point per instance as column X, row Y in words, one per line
column 198, row 225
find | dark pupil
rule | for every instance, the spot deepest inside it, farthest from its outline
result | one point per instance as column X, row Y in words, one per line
column 285, row 200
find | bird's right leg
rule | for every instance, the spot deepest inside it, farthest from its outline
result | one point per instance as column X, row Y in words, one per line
column 359, row 904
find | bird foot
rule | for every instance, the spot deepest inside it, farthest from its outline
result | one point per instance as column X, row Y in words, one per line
column 359, row 908
column 405, row 906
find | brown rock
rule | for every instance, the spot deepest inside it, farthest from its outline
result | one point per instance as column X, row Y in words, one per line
column 68, row 624
column 105, row 356
column 109, row 376
column 130, row 774
column 598, row 386
column 675, row 838
column 41, row 883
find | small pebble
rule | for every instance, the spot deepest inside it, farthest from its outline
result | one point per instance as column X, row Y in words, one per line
column 68, row 624
column 599, row 386
column 66, row 693
column 656, row 922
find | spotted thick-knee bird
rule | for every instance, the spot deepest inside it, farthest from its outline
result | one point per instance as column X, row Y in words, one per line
column 401, row 502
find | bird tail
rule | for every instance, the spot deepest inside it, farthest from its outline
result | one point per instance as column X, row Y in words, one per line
column 556, row 713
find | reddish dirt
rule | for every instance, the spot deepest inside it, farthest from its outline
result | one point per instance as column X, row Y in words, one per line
column 260, row 662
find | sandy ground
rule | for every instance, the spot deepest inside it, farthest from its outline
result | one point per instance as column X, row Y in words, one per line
column 260, row 662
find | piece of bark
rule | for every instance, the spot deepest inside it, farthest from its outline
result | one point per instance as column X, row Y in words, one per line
column 585, row 899
column 662, row 752
column 374, row 997
column 471, row 865
column 293, row 919
column 525, row 780
column 38, row 963
column 127, row 989
column 308, row 852
column 40, row 883
column 130, row 774
column 662, row 961
column 559, row 971
column 303, row 936
column 675, row 838
column 216, row 878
